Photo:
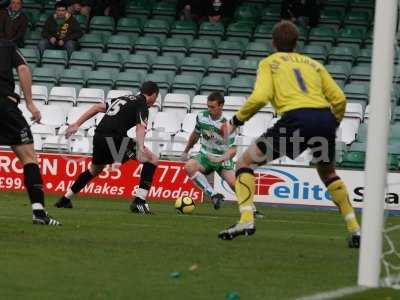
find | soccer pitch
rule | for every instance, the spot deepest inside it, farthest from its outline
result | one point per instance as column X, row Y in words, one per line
column 103, row 251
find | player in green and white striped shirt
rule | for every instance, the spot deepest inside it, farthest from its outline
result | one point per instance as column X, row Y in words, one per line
column 214, row 145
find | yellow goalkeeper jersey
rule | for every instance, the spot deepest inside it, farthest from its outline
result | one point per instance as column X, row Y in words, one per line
column 292, row 81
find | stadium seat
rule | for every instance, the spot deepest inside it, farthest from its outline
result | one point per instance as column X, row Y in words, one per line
column 129, row 80
column 351, row 35
column 64, row 97
column 358, row 18
column 158, row 28
column 117, row 93
column 221, row 66
column 360, row 74
column 230, row 49
column 83, row 21
column 186, row 84
column 75, row 113
column 120, row 44
column 184, row 29
column 100, row 80
column 189, row 122
column 88, row 95
column 357, row 91
column 73, row 78
column 139, row 8
column 53, row 115
column 247, row 12
column 56, row 143
column 263, row 33
column 355, row 157
column 179, row 103
column 364, row 56
column 129, row 25
column 239, row 29
column 81, row 145
column 271, row 14
column 361, row 136
column 100, row 24
column 342, row 54
column 45, row 76
column 164, row 9
column 258, row 50
column 32, row 39
column 175, row 46
column 163, row 81
column 138, row 62
column 109, row 62
column 55, row 59
column 199, row 103
column 39, row 94
column 325, row 35
column 247, row 67
column 43, row 130
column 213, row 83
column 193, row 66
column 316, row 52
column 92, row 42
column 394, row 133
column 349, row 126
column 165, row 63
column 202, row 48
column 169, row 122
column 82, row 60
column 332, row 16
column 210, row 30
column 338, row 71
column 148, row 45
column 31, row 56
column 241, row 85
column 233, row 102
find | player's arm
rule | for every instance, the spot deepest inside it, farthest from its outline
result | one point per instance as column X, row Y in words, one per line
column 333, row 94
column 90, row 113
column 262, row 93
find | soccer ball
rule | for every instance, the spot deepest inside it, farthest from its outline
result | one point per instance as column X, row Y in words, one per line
column 184, row 205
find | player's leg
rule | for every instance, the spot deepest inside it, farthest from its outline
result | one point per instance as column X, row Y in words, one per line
column 83, row 179
column 340, row 197
column 33, row 183
column 196, row 170
column 139, row 204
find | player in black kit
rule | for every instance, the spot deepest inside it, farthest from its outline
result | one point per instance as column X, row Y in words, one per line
column 111, row 143
column 15, row 131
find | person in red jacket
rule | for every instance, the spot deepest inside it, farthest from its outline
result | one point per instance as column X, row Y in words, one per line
column 61, row 31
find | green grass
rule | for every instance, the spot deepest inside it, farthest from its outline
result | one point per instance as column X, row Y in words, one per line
column 102, row 251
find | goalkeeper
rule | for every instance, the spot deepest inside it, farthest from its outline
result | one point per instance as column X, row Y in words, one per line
column 312, row 106
column 216, row 153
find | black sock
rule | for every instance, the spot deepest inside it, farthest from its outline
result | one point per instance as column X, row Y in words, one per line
column 146, row 176
column 82, row 180
column 34, row 183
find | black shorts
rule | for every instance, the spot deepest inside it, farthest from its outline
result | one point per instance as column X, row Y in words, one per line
column 14, row 130
column 298, row 130
column 108, row 149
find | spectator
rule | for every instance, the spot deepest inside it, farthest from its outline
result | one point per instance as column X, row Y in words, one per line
column 112, row 8
column 220, row 10
column 191, row 10
column 79, row 7
column 13, row 23
column 301, row 12
column 61, row 31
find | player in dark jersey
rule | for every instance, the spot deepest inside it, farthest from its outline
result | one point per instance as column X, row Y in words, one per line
column 111, row 143
column 14, row 129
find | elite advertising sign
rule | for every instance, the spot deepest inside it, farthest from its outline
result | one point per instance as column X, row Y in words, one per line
column 60, row 171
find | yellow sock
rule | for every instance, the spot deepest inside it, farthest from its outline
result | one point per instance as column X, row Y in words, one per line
column 340, row 197
column 244, row 189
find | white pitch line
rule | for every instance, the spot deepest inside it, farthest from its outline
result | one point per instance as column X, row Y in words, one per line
column 335, row 294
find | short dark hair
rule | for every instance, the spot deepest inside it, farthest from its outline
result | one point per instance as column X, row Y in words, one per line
column 285, row 35
column 216, row 96
column 61, row 4
column 149, row 88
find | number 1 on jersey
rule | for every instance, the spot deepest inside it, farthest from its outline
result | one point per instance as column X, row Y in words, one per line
column 300, row 80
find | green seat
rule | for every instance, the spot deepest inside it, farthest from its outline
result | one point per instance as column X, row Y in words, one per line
column 32, row 5
column 130, row 25
column 247, row 67
column 365, row 56
column 360, row 73
column 92, row 42
column 263, row 32
column 338, row 71
column 357, row 91
column 241, row 85
column 139, row 8
column 175, row 46
column 362, row 4
column 361, row 136
column 332, row 16
column 193, row 65
column 148, row 45
column 271, row 14
column 33, row 16
column 31, row 56
column 183, row 29
column 258, row 50
column 396, row 114
column 82, row 20
column 247, row 12
column 213, row 83
column 120, row 44
column 45, row 75
column 129, row 80
column 41, row 20
column 163, row 81
column 239, row 29
column 32, row 39
column 344, row 54
column 221, row 66
column 323, row 34
column 355, row 157
column 358, row 17
column 138, row 62
column 394, row 133
column 101, row 23
column 186, row 84
column 393, row 162
column 210, row 30
column 164, row 9
column 351, row 35
column 154, row 27
column 230, row 49
column 109, row 62
column 316, row 52
column 202, row 48
column 72, row 77
column 55, row 59
column 165, row 63
column 82, row 60
column 341, row 4
column 100, row 79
